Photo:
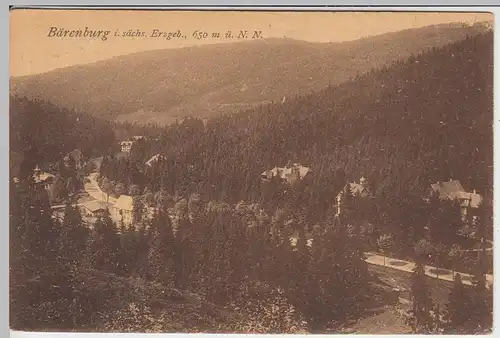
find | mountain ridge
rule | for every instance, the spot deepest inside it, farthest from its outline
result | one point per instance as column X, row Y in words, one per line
column 166, row 84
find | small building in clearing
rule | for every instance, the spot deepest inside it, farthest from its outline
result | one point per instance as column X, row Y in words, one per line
column 42, row 178
column 355, row 189
column 290, row 174
column 126, row 146
column 454, row 191
column 95, row 208
column 122, row 210
column 154, row 159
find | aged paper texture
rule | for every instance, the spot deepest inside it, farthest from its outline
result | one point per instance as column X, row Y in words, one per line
column 251, row 172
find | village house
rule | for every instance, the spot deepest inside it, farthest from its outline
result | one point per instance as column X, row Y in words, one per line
column 155, row 159
column 361, row 189
column 290, row 174
column 454, row 191
column 126, row 145
column 122, row 210
column 42, row 178
column 94, row 208
column 43, row 183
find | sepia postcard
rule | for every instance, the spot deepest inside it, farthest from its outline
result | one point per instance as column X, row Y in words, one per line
column 303, row 172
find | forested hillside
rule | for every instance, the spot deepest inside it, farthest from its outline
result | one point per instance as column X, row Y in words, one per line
column 160, row 86
column 45, row 133
column 425, row 119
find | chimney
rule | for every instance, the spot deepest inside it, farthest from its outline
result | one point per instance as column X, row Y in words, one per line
column 451, row 179
column 474, row 191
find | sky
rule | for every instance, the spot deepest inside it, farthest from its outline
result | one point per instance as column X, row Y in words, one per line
column 32, row 51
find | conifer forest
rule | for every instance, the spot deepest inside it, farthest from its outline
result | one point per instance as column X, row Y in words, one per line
column 352, row 206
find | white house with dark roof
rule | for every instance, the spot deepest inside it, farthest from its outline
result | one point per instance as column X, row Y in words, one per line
column 43, row 178
column 361, row 189
column 290, row 174
column 126, row 146
column 454, row 191
column 155, row 159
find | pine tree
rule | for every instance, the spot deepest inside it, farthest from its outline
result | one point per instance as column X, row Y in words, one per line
column 455, row 256
column 34, row 257
column 71, row 264
column 129, row 250
column 451, row 221
column 385, row 243
column 479, row 274
column 458, row 304
column 237, row 248
column 298, row 270
column 217, row 269
column 481, row 296
column 315, row 305
column 161, row 248
column 184, row 253
column 105, row 245
column 138, row 208
column 336, row 277
column 74, row 235
column 142, row 246
column 421, row 300
column 59, row 191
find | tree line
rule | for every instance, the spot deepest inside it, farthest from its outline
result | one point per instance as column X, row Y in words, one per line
column 404, row 127
column 232, row 256
column 239, row 257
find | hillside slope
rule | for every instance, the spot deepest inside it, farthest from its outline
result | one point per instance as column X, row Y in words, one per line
column 47, row 132
column 159, row 86
column 423, row 120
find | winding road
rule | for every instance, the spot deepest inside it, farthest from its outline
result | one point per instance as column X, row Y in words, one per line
column 433, row 272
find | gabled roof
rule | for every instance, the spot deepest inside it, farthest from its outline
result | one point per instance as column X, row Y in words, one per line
column 357, row 189
column 94, row 206
column 453, row 190
column 154, row 159
column 42, row 177
column 124, row 202
column 447, row 189
column 286, row 172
